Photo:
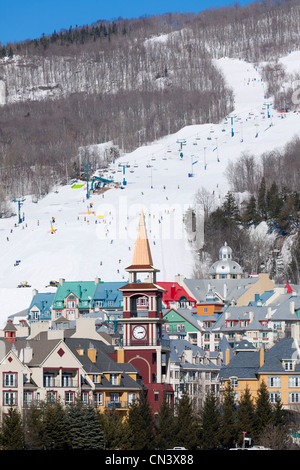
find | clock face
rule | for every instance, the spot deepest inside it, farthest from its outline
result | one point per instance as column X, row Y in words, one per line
column 139, row 332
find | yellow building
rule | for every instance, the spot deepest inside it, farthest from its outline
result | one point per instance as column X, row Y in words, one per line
column 278, row 367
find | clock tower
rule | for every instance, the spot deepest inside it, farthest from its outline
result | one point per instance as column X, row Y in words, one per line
column 143, row 342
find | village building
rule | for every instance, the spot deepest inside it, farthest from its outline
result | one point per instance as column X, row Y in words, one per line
column 279, row 368
column 73, row 298
column 225, row 267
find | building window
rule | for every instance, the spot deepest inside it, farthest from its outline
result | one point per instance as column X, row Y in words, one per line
column 69, row 398
column 114, row 379
column 294, row 381
column 48, row 380
column 10, row 398
column 294, row 397
column 51, row 397
column 288, row 365
column 85, row 398
column 28, row 398
column 114, row 397
column 98, row 398
column 234, row 382
column 34, row 314
column 66, row 380
column 10, row 380
column 96, row 378
column 131, row 397
column 205, row 309
column 274, row 381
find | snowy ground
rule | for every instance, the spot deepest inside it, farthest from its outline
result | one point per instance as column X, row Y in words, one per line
column 101, row 243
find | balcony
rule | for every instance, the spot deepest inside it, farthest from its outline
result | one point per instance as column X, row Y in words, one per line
column 119, row 404
column 60, row 382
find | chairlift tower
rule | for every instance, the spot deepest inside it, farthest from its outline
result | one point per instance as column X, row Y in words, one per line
column 20, row 202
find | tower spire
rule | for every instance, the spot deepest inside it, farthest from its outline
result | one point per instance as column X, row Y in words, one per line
column 142, row 253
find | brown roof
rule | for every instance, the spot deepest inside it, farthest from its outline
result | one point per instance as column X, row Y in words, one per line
column 141, row 267
column 141, row 286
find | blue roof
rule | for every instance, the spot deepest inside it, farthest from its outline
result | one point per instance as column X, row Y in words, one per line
column 262, row 298
column 108, row 292
column 43, row 302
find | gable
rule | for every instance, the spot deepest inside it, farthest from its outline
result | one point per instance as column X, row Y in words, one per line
column 173, row 316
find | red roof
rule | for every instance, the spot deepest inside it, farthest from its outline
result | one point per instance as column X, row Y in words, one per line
column 174, row 292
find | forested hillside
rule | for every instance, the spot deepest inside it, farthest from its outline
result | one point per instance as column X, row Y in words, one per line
column 128, row 81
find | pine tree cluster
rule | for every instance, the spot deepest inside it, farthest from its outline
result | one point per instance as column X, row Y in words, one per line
column 218, row 425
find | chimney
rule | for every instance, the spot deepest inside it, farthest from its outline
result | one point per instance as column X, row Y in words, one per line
column 92, row 353
column 34, row 292
column 261, row 357
column 227, row 357
column 292, row 306
column 27, row 353
column 61, row 281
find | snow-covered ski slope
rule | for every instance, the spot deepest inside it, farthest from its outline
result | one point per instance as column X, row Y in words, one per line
column 157, row 183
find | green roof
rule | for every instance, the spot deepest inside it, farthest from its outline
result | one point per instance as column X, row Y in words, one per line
column 83, row 290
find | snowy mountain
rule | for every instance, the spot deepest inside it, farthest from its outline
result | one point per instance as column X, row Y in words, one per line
column 98, row 240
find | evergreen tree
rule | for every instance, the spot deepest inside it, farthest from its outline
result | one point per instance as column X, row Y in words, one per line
column 186, row 430
column 263, row 410
column 228, row 425
column 278, row 415
column 11, row 437
column 75, row 420
column 261, row 200
column 165, row 427
column 246, row 416
column 273, row 202
column 251, row 215
column 33, row 427
column 113, row 429
column 140, row 425
column 230, row 207
column 85, row 428
column 92, row 430
column 55, row 428
column 210, row 420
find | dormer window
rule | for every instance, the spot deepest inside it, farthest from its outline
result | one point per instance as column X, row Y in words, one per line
column 288, row 364
column 114, row 379
column 234, row 382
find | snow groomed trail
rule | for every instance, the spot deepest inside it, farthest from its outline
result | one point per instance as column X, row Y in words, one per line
column 98, row 241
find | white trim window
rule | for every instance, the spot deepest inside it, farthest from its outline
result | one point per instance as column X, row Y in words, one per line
column 98, row 398
column 274, row 397
column 294, row 381
column 288, row 365
column 131, row 397
column 114, row 397
column 274, row 381
column 114, row 379
column 70, row 398
column 234, row 382
column 10, row 398
column 28, row 398
column 10, row 379
column 294, row 397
